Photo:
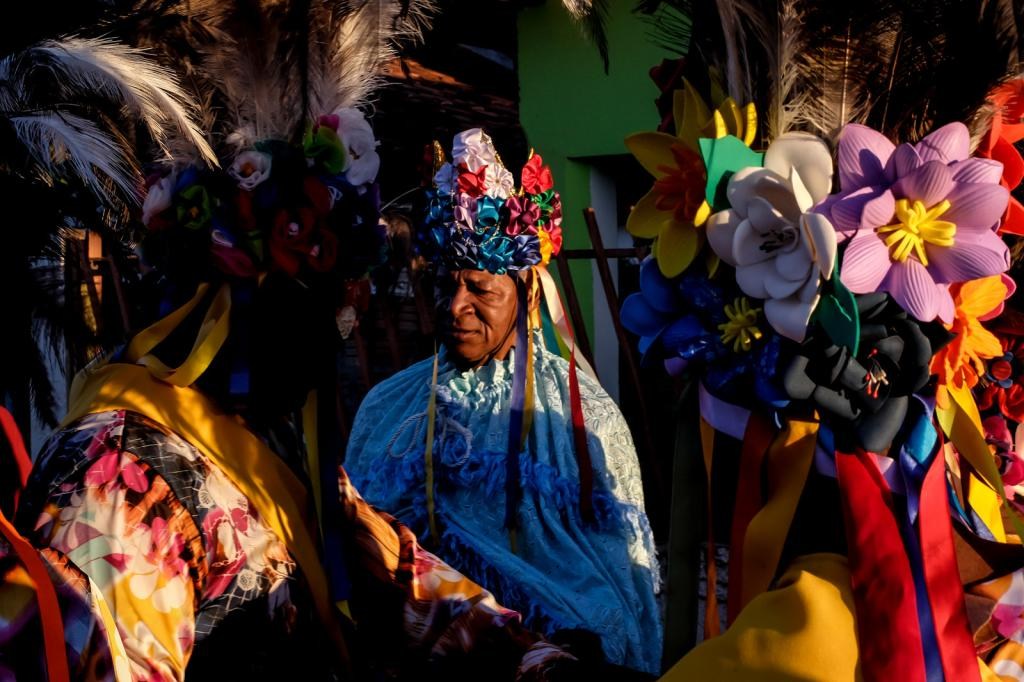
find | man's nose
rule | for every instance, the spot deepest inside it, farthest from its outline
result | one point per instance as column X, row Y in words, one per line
column 461, row 303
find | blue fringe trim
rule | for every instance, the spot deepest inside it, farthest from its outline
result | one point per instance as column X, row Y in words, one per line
column 394, row 482
column 507, row 591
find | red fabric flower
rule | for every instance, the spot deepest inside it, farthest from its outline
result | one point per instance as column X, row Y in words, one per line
column 331, row 121
column 317, row 194
column 291, row 239
column 998, row 144
column 536, row 177
column 473, row 184
column 1002, row 385
column 324, row 254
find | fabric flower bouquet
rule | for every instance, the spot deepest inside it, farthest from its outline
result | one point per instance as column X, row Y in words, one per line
column 843, row 310
column 279, row 207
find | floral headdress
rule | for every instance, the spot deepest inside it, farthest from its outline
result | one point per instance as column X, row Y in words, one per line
column 831, row 268
column 279, row 207
column 476, row 218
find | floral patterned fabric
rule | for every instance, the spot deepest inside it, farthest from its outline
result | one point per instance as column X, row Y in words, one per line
column 200, row 586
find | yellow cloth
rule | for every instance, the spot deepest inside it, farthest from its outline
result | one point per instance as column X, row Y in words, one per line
column 803, row 630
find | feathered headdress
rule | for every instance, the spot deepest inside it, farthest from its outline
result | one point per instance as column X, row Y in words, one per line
column 69, row 109
column 284, row 83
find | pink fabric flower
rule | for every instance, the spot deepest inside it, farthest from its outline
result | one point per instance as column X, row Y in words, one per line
column 918, row 217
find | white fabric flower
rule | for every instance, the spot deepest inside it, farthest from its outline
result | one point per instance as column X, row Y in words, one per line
column 500, row 181
column 781, row 251
column 445, row 179
column 158, row 198
column 474, row 148
column 360, row 146
column 250, row 168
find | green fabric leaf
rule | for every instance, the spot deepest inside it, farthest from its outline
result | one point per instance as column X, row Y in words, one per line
column 325, row 147
column 837, row 313
column 723, row 157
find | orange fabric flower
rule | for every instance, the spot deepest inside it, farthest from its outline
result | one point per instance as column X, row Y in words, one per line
column 961, row 362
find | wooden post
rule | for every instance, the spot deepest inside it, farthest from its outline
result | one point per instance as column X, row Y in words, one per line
column 579, row 329
column 687, row 515
column 653, row 468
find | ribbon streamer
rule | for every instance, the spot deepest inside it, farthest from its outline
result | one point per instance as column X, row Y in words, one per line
column 883, row 585
column 212, row 334
column 712, row 624
column 788, row 463
column 749, row 501
column 428, row 452
column 49, row 607
column 517, row 417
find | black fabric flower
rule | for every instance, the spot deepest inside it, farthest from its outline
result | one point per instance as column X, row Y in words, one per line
column 865, row 394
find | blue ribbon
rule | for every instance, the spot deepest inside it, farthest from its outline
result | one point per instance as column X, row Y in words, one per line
column 915, row 456
column 513, row 489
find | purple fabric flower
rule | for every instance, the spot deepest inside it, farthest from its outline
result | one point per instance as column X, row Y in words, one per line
column 523, row 215
column 917, row 217
column 465, row 211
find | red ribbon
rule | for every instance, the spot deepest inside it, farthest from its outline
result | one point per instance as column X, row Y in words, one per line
column 942, row 578
column 46, row 594
column 579, row 436
column 889, row 634
column 22, row 465
column 757, row 438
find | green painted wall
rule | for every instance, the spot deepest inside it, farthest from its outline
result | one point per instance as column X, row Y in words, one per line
column 571, row 109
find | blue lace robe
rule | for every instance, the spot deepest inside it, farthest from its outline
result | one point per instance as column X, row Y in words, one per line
column 566, row 574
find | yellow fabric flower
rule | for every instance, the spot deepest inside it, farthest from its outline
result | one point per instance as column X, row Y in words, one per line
column 675, row 207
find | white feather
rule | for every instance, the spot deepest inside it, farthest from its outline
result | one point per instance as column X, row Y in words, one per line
column 125, row 74
column 59, row 142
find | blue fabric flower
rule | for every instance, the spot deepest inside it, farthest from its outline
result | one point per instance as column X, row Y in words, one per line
column 488, row 212
column 679, row 319
column 495, row 253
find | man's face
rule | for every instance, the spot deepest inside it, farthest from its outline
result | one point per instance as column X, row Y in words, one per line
column 478, row 316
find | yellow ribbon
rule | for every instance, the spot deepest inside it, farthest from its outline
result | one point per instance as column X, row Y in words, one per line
column 428, row 453
column 961, row 422
column 788, row 461
column 212, row 333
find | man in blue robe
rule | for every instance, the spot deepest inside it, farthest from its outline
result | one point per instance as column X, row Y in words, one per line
column 561, row 534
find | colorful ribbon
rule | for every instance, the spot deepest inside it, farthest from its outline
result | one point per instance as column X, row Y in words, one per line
column 49, row 607
column 712, row 624
column 212, row 334
column 961, row 423
column 20, row 462
column 787, row 463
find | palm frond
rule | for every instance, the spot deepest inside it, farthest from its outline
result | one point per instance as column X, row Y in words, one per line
column 592, row 16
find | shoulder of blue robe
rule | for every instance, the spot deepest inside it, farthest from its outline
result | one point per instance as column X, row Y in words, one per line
column 390, row 423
